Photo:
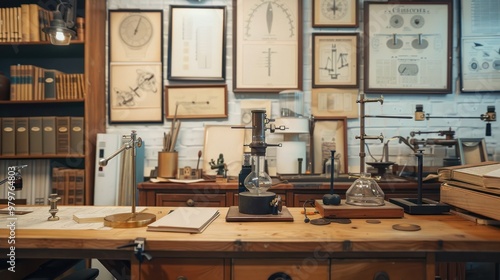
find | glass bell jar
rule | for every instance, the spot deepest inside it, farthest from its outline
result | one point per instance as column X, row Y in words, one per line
column 365, row 192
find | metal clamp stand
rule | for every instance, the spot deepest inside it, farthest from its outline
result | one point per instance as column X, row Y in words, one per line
column 362, row 100
column 133, row 219
column 420, row 205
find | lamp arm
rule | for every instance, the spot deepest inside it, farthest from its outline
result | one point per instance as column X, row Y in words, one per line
column 104, row 161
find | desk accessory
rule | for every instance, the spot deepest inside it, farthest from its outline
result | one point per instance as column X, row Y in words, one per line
column 132, row 219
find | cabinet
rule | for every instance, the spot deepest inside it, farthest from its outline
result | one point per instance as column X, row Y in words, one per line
column 81, row 56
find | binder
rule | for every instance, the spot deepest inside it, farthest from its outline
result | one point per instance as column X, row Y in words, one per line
column 62, row 135
column 8, row 136
column 35, row 136
column 49, row 135
column 76, row 136
column 22, row 136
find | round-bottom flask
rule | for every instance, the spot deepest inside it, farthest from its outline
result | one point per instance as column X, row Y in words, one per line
column 365, row 192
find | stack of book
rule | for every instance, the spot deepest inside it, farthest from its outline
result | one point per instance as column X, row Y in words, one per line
column 30, row 82
column 472, row 187
column 69, row 184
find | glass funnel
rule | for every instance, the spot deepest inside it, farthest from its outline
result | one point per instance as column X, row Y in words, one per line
column 365, row 192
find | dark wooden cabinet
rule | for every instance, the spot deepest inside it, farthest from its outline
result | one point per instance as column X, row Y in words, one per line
column 293, row 194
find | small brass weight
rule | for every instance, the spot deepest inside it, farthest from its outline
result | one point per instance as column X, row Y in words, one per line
column 53, row 199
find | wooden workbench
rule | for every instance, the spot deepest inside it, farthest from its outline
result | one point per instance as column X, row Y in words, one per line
column 256, row 250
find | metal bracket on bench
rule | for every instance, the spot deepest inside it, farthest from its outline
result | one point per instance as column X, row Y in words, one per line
column 139, row 245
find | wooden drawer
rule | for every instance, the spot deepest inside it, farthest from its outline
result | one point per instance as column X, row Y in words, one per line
column 379, row 269
column 274, row 269
column 185, row 269
column 189, row 199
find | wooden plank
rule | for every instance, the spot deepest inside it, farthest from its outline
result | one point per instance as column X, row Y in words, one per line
column 388, row 210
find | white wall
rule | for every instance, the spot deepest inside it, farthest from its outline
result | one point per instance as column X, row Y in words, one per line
column 453, row 104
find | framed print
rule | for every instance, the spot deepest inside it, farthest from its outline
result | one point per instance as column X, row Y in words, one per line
column 335, row 59
column 267, row 45
column 197, row 41
column 479, row 49
column 196, row 101
column 335, row 13
column 214, row 145
column 472, row 150
column 329, row 133
column 408, row 47
column 334, row 102
column 135, row 93
column 135, row 35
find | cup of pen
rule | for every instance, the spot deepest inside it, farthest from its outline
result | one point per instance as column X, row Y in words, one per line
column 167, row 164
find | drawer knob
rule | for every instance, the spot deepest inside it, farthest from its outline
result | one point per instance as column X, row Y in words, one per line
column 279, row 276
column 190, row 202
column 181, row 278
column 381, row 275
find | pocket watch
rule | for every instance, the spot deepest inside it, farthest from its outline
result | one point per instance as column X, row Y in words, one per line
column 136, row 31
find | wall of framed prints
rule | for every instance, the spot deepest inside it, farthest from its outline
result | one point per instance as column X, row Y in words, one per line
column 320, row 35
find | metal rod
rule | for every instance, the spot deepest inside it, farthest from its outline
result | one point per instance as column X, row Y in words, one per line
column 388, row 117
column 419, row 177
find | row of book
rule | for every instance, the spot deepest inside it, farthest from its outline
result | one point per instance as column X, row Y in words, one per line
column 30, row 82
column 69, row 184
column 48, row 135
column 24, row 23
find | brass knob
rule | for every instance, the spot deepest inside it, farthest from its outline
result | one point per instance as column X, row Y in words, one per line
column 181, row 278
column 190, row 202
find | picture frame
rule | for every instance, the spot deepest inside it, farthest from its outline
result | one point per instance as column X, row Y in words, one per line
column 196, row 101
column 267, row 46
column 335, row 102
column 334, row 13
column 335, row 60
column 408, row 47
column 325, row 128
column 472, row 150
column 479, row 41
column 127, row 45
column 135, row 88
column 135, row 92
column 197, row 43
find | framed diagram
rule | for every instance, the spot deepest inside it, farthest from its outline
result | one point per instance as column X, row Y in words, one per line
column 135, row 89
column 408, row 47
column 196, row 101
column 334, row 102
column 267, row 45
column 135, row 93
column 335, row 13
column 329, row 133
column 335, row 59
column 135, row 35
column 480, row 44
column 196, row 45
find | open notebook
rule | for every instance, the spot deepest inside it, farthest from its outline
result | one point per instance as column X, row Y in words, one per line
column 186, row 219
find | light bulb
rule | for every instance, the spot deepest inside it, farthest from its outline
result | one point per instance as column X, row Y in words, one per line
column 258, row 181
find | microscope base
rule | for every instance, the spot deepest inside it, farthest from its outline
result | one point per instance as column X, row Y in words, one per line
column 256, row 204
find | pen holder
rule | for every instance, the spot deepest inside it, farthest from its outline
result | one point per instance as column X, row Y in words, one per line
column 167, row 164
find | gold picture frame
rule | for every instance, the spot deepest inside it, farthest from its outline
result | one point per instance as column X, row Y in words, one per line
column 196, row 101
column 334, row 13
column 335, row 102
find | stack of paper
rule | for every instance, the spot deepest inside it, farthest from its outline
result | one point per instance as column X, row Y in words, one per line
column 186, row 219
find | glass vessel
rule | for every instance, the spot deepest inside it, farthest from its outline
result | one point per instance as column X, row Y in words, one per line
column 291, row 103
column 365, row 192
column 258, row 181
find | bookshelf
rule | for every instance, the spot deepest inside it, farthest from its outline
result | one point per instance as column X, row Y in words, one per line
column 85, row 57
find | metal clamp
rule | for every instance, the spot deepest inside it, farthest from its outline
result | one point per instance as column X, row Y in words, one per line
column 139, row 247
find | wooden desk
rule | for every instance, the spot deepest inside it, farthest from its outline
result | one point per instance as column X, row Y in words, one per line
column 255, row 250
column 213, row 194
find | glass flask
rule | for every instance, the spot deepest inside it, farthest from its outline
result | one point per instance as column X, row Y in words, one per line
column 258, row 181
column 365, row 192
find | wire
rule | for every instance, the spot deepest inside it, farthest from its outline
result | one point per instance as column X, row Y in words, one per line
column 310, row 202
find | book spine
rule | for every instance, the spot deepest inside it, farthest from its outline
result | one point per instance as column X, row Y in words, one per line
column 62, row 135
column 49, row 135
column 22, row 136
column 8, row 136
column 35, row 136
column 76, row 136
